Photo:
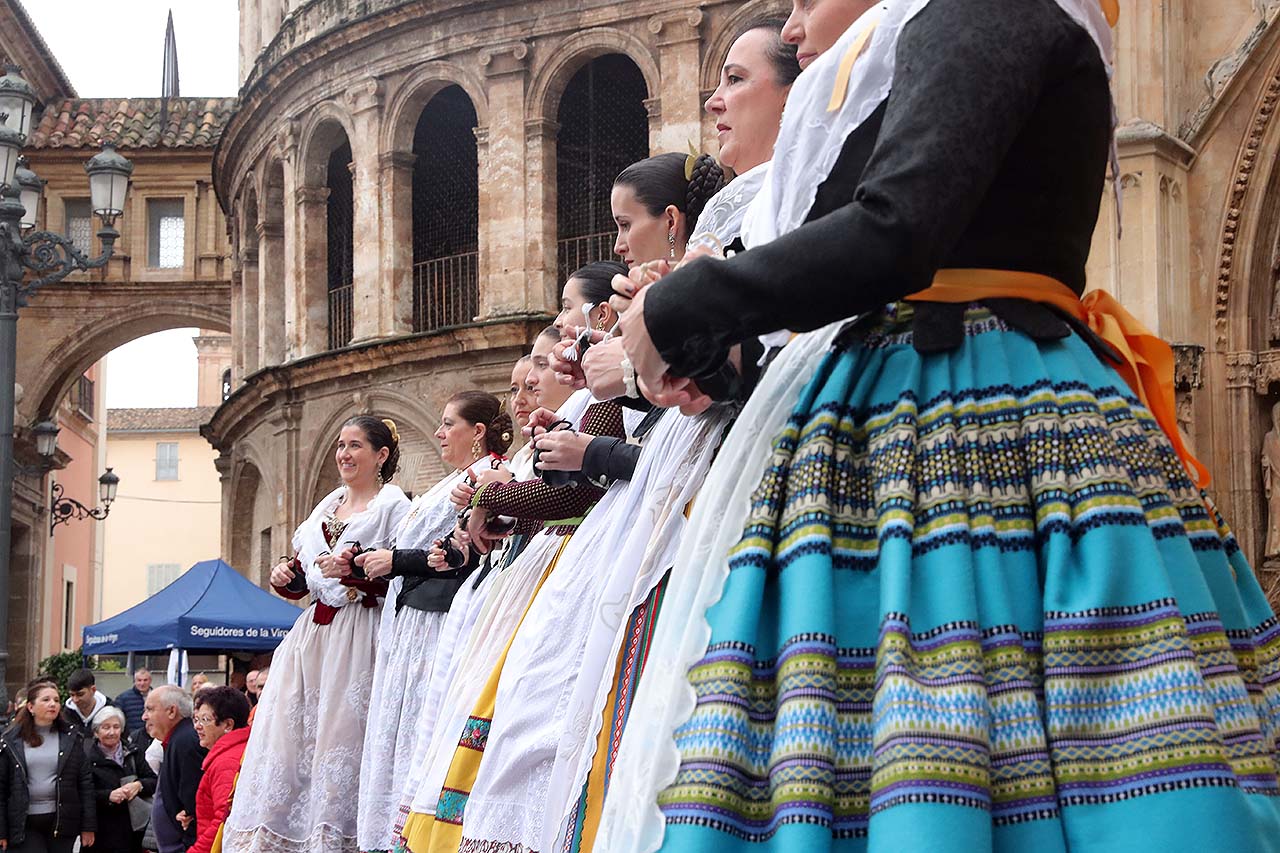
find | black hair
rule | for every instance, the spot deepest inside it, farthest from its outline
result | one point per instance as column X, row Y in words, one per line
column 481, row 407
column 79, row 680
column 378, row 432
column 226, row 703
column 596, row 279
column 550, row 332
column 660, row 181
column 781, row 56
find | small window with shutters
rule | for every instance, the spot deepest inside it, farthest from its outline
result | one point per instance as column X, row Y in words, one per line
column 166, row 460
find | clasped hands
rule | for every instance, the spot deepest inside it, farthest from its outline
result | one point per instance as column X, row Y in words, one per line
column 600, row 369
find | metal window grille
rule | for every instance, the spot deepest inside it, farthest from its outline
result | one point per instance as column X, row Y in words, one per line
column 160, row 575
column 446, row 212
column 79, row 224
column 604, row 127
column 166, row 460
column 166, row 233
column 341, row 246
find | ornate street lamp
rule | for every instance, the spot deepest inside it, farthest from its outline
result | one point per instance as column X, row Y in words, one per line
column 63, row 509
column 28, row 263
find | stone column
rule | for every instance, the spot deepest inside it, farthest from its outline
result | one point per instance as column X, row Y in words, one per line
column 372, row 297
column 311, row 295
column 395, row 186
column 1149, row 270
column 223, row 464
column 1238, row 490
column 249, row 289
column 237, row 327
column 271, row 288
column 540, row 174
column 287, row 140
column 679, row 44
column 505, row 214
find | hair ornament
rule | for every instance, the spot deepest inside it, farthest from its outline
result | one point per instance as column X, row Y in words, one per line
column 691, row 161
column 1111, row 8
column 391, row 425
column 506, row 435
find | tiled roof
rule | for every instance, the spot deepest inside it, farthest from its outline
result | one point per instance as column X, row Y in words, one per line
column 132, row 122
column 158, row 420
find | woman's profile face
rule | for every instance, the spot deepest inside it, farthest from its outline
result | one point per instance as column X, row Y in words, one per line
column 572, row 301
column 747, row 104
column 458, row 438
column 816, row 25
column 520, row 401
column 641, row 235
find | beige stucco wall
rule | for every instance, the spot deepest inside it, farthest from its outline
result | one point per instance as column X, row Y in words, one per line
column 157, row 521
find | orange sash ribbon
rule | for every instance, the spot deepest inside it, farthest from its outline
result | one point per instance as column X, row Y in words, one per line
column 1146, row 360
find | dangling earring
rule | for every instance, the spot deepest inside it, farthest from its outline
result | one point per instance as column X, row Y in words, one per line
column 600, row 323
column 475, row 448
column 381, row 482
column 671, row 245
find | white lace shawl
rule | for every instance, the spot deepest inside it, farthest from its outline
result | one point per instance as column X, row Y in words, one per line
column 721, row 221
column 372, row 528
column 811, row 137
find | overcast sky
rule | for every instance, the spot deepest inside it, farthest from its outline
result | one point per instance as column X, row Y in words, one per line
column 117, row 50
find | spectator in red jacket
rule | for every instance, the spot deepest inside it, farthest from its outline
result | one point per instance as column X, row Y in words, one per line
column 221, row 718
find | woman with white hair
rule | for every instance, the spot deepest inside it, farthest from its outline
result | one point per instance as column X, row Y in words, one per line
column 120, row 776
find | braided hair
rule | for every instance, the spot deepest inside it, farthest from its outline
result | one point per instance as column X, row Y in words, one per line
column 659, row 182
column 481, row 407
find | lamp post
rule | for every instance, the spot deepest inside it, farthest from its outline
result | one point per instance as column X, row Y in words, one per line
column 49, row 258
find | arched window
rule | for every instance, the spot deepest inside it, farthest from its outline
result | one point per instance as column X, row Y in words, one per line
column 446, row 212
column 604, row 127
column 341, row 245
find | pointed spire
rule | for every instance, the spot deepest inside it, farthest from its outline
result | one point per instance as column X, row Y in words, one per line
column 169, row 83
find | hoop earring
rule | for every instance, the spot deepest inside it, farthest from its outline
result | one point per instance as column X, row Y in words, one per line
column 671, row 244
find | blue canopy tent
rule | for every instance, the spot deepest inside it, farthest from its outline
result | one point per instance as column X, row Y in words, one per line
column 211, row 607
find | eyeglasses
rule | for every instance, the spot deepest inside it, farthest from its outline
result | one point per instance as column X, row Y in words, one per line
column 204, row 721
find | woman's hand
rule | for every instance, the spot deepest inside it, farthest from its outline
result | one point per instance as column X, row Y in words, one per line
column 132, row 790
column 493, row 475
column 568, row 370
column 331, row 567
column 117, row 796
column 461, row 494
column 86, row 839
column 183, row 818
column 602, row 366
column 625, row 287
column 542, row 418
column 435, row 558
column 282, row 574
column 375, row 563
column 475, row 530
column 561, row 450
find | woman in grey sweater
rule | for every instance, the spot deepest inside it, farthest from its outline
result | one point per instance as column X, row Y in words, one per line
column 46, row 789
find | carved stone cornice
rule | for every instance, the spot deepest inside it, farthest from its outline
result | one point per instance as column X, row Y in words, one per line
column 541, row 128
column 396, row 160
column 311, row 195
column 287, row 138
column 505, row 59
column 653, row 107
column 365, row 95
column 1188, row 361
column 676, row 27
column 1241, row 369
column 269, row 230
column 1267, row 371
column 1138, row 137
column 482, row 136
column 223, row 465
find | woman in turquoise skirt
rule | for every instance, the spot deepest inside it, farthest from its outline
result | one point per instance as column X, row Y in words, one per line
column 952, row 584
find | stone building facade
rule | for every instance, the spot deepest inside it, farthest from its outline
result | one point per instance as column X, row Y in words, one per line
column 325, row 328
column 407, row 182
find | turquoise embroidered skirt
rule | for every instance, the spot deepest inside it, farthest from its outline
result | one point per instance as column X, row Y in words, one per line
column 978, row 605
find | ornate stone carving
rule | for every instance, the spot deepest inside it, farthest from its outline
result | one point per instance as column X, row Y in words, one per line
column 1188, row 360
column 505, row 59
column 676, row 27
column 1246, row 164
column 365, row 95
column 1241, row 369
column 1271, row 487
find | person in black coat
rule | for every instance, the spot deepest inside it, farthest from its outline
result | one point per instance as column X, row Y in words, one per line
column 46, row 787
column 168, row 719
column 113, row 760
